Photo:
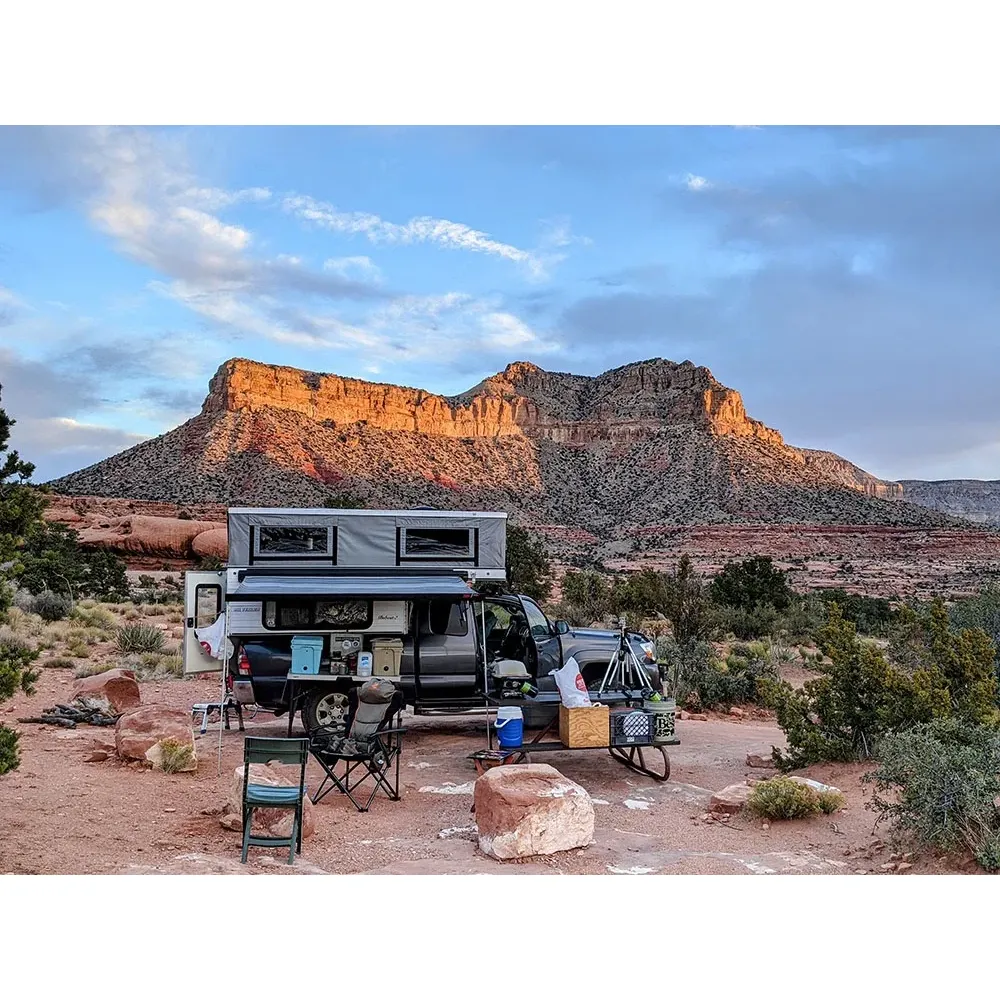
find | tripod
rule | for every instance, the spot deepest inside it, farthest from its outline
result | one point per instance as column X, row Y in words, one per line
column 625, row 672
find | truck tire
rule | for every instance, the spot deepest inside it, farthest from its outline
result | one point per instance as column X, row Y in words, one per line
column 324, row 707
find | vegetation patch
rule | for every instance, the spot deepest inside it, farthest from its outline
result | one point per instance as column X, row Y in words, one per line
column 783, row 798
column 139, row 639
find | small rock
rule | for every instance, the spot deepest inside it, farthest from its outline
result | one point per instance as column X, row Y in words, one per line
column 705, row 817
column 903, row 866
column 731, row 799
column 816, row 786
column 765, row 825
column 211, row 811
column 96, row 756
column 170, row 809
column 847, row 852
column 682, row 715
column 896, row 857
column 737, row 713
column 698, row 717
column 759, row 761
column 860, row 871
column 908, row 856
column 890, row 867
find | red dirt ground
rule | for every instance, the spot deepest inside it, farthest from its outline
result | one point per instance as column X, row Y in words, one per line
column 59, row 814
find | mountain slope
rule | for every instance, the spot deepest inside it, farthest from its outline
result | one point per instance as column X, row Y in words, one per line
column 651, row 443
column 975, row 500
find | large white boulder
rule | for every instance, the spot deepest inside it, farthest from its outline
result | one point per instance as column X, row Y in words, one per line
column 528, row 809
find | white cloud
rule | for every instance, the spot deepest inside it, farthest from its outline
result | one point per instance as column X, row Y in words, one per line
column 694, row 182
column 423, row 229
column 360, row 267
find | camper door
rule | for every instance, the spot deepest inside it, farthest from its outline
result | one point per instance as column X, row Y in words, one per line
column 204, row 601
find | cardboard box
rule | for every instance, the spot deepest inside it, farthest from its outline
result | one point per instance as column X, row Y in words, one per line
column 584, row 727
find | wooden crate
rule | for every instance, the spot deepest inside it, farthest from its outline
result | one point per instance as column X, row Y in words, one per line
column 584, row 727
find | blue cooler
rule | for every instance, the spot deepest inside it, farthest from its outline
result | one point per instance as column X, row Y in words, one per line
column 307, row 651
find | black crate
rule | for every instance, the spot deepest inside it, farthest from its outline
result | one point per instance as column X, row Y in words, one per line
column 631, row 727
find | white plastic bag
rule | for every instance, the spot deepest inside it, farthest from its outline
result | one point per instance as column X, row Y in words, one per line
column 572, row 687
column 211, row 638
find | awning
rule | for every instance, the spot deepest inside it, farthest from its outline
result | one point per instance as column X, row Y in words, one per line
column 398, row 588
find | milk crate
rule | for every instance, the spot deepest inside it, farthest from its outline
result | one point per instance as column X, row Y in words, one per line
column 631, row 727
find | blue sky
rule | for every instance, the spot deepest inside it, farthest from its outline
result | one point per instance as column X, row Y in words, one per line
column 844, row 280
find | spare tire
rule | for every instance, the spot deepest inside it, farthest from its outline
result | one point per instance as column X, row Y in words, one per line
column 324, row 707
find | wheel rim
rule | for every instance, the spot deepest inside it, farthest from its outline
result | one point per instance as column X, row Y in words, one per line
column 331, row 710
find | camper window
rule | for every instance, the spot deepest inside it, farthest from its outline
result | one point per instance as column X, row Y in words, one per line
column 436, row 543
column 340, row 615
column 282, row 541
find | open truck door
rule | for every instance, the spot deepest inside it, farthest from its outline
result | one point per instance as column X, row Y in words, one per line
column 204, row 601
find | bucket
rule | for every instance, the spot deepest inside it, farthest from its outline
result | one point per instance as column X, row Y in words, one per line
column 663, row 712
column 509, row 726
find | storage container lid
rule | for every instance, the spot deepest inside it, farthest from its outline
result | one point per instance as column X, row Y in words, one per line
column 509, row 712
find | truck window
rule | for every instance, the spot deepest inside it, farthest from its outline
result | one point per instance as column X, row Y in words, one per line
column 537, row 621
column 448, row 618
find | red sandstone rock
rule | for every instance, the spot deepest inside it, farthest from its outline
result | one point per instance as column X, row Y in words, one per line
column 527, row 809
column 118, row 688
column 267, row 822
column 139, row 733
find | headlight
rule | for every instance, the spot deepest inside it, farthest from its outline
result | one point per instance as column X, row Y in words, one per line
column 649, row 648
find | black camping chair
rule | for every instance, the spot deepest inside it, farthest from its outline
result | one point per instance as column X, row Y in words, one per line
column 261, row 750
column 371, row 747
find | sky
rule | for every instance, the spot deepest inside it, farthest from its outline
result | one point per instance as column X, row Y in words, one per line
column 844, row 280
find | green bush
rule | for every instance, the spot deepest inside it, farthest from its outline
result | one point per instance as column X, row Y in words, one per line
column 783, row 798
column 16, row 655
column 139, row 639
column 58, row 663
column 745, row 623
column 751, row 583
column 52, row 607
column 698, row 679
column 937, row 783
column 94, row 617
column 871, row 615
column 89, row 669
column 175, row 756
column 857, row 698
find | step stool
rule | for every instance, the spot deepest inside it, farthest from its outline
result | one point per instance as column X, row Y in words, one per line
column 206, row 707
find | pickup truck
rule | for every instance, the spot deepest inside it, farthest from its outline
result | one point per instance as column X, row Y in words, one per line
column 451, row 660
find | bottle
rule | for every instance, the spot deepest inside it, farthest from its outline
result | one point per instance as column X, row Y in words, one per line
column 528, row 690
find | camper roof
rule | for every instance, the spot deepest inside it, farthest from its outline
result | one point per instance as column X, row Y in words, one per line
column 363, row 512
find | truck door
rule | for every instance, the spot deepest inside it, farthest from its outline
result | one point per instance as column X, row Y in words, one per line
column 204, row 593
column 545, row 638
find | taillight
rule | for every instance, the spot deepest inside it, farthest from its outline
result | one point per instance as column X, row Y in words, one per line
column 244, row 664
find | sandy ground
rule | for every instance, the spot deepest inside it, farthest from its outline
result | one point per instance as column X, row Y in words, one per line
column 59, row 814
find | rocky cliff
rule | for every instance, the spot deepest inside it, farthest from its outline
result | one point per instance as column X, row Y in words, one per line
column 975, row 500
column 643, row 446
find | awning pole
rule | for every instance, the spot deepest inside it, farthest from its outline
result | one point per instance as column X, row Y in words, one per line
column 224, row 651
column 486, row 672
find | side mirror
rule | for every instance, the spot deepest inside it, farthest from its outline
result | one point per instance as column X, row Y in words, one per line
column 562, row 627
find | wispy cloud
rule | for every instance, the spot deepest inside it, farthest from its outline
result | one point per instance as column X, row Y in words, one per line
column 423, row 229
column 695, row 182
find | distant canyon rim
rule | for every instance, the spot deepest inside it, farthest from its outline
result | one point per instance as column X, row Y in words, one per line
column 630, row 468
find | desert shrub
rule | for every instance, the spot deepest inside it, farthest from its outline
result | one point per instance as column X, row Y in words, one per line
column 53, row 560
column 138, row 639
column 132, row 614
column 52, row 607
column 857, row 698
column 94, row 617
column 686, row 603
column 24, row 601
column 24, row 624
column 745, row 623
column 942, row 778
column 172, row 664
column 89, row 669
column 175, row 756
column 588, row 593
column 871, row 615
column 981, row 611
column 697, row 678
column 961, row 663
column 16, row 657
column 830, row 802
column 59, row 663
column 782, row 798
column 751, row 583
column 79, row 649
column 801, row 619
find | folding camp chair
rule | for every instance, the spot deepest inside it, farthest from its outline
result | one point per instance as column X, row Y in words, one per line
column 371, row 746
column 259, row 750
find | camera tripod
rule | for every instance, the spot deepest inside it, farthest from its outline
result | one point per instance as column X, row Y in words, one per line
column 625, row 673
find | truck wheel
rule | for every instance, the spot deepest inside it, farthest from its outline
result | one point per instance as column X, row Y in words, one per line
column 324, row 708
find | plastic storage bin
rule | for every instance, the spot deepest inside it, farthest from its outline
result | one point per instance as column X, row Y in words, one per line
column 307, row 651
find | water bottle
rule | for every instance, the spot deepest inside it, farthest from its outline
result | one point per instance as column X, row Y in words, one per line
column 528, row 690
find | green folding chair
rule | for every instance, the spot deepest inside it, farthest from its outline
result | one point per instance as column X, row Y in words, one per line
column 259, row 750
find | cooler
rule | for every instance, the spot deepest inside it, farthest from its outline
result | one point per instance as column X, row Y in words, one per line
column 387, row 655
column 307, row 651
